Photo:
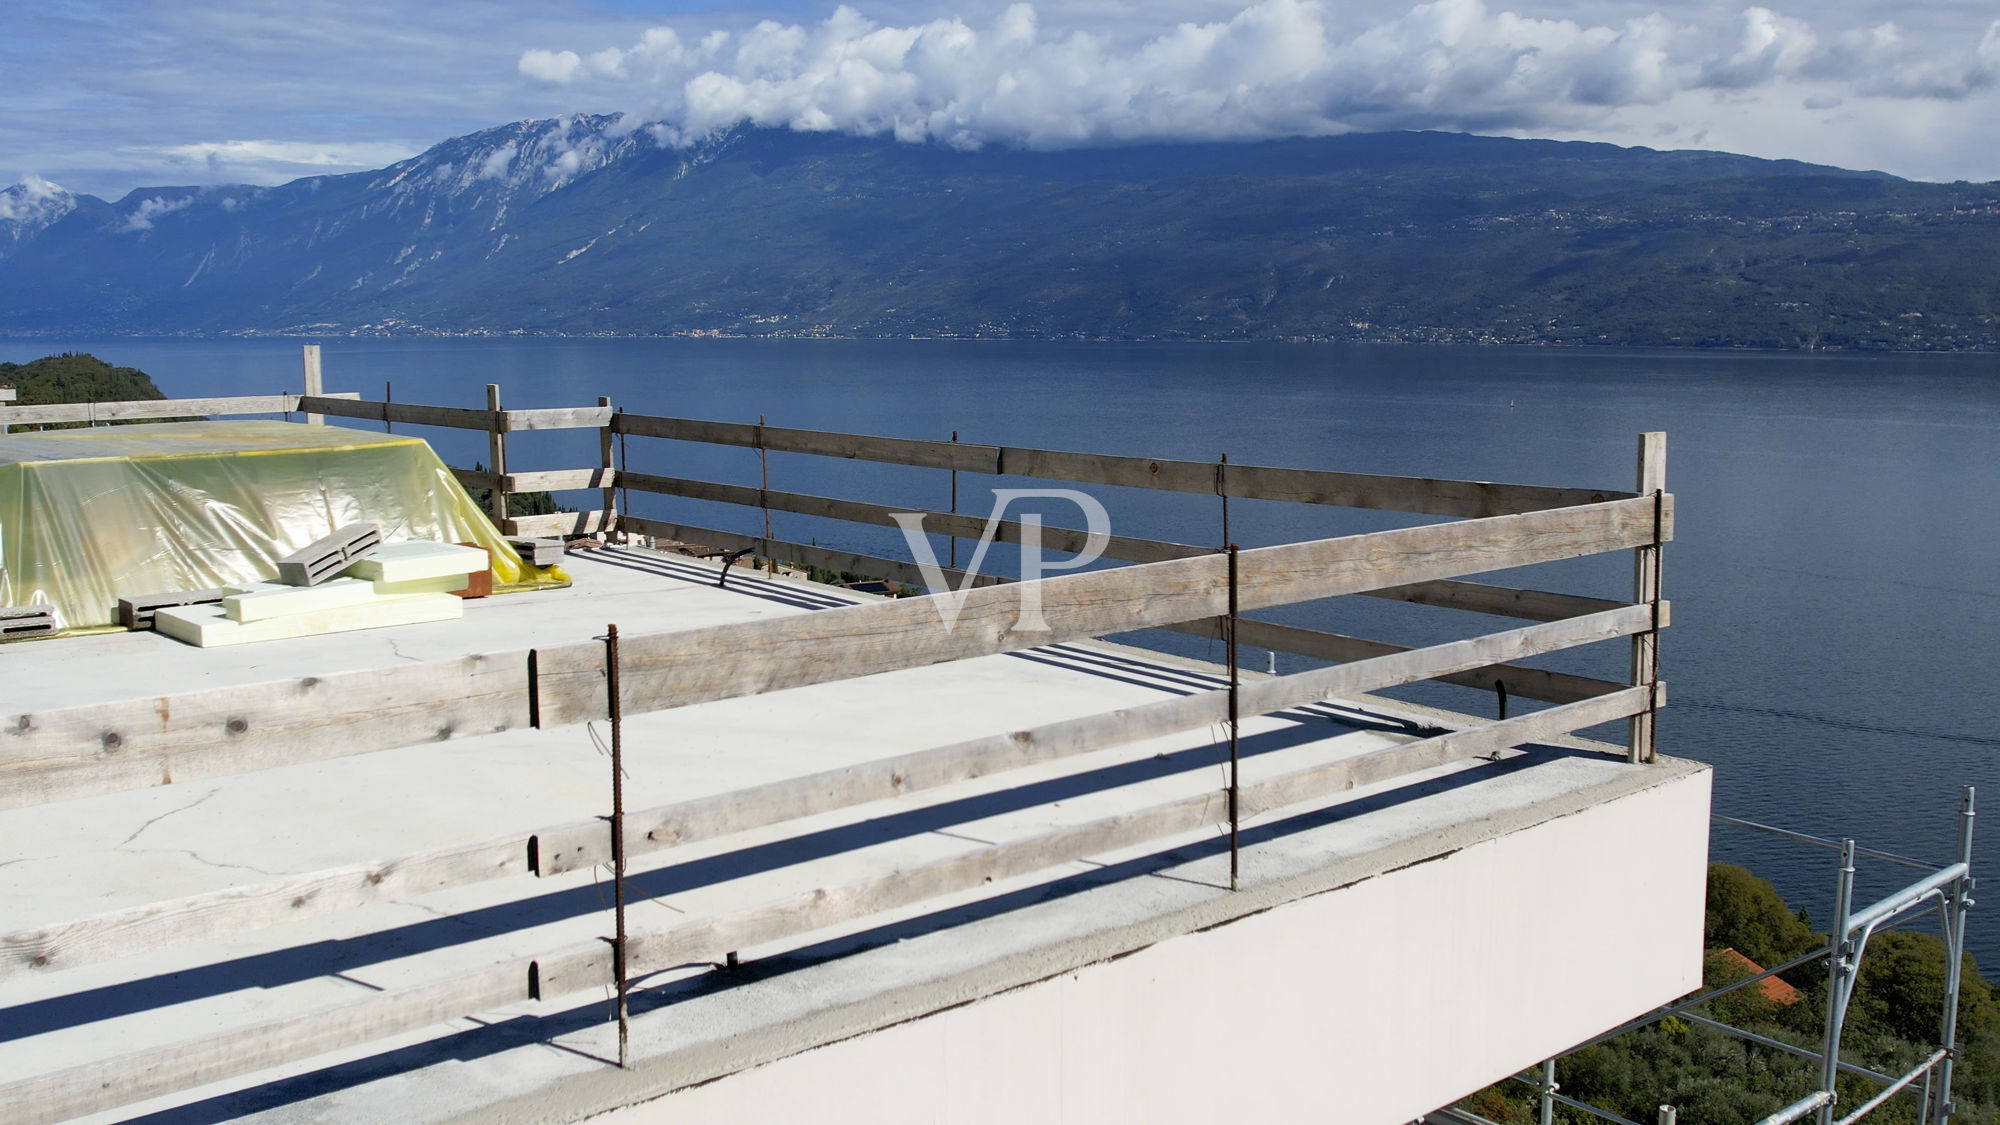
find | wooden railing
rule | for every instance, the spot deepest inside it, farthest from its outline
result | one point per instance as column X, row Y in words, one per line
column 77, row 751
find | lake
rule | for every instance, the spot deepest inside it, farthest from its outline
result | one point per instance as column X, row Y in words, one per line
column 1835, row 576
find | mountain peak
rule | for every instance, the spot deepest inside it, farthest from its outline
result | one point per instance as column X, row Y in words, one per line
column 31, row 205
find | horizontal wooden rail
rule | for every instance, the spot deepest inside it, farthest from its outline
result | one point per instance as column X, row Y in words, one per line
column 96, row 748
column 586, row 843
column 1525, row 682
column 560, row 524
column 97, row 1086
column 588, row 967
column 476, row 478
column 883, row 515
column 749, row 658
column 250, row 906
column 558, row 848
column 825, row 557
column 135, row 1076
column 1503, row 601
column 147, row 408
column 460, row 418
column 1468, row 499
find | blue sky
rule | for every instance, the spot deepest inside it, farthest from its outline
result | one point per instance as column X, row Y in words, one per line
column 110, row 96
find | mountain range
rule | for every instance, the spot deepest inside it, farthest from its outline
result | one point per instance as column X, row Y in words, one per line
column 590, row 225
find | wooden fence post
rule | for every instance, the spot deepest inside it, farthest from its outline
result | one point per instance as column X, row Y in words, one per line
column 314, row 386
column 604, row 440
column 496, row 446
column 1646, row 590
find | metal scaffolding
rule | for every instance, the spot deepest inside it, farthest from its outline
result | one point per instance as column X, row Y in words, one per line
column 1947, row 886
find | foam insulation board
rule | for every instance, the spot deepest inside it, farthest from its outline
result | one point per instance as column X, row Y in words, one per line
column 418, row 559
column 209, row 626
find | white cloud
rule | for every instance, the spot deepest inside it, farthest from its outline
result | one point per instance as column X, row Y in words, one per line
column 34, row 202
column 142, row 217
column 1278, row 67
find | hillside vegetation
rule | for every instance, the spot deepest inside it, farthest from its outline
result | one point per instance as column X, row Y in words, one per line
column 582, row 226
column 76, row 377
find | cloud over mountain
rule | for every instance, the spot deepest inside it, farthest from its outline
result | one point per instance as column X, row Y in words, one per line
column 1277, row 68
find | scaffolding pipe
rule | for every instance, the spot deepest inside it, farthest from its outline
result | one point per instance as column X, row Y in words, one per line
column 1957, row 901
column 1896, row 1087
column 1908, row 898
column 1839, row 974
column 1788, row 1048
column 1798, row 1109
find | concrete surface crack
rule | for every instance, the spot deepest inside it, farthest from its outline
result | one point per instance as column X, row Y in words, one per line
column 168, row 813
column 202, row 859
column 400, row 655
column 25, row 859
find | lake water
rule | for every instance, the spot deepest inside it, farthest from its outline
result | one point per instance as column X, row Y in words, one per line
column 1835, row 577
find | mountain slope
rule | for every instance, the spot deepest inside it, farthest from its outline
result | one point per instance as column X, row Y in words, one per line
column 582, row 225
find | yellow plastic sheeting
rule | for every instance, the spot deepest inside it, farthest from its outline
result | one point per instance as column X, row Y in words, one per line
column 89, row 516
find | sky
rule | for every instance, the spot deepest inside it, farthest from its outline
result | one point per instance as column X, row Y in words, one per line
column 107, row 97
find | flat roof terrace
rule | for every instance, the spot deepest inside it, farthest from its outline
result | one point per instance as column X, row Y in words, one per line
column 873, row 865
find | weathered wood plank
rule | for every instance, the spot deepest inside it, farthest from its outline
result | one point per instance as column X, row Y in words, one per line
column 1318, row 782
column 475, row 478
column 1527, row 683
column 676, row 669
column 571, row 524
column 894, row 569
column 710, row 938
column 93, row 1087
column 133, row 744
column 781, row 439
column 586, row 843
column 147, row 408
column 558, row 480
column 1500, row 601
column 555, row 418
column 451, row 417
column 1054, row 538
column 249, row 906
column 1646, row 588
column 313, row 383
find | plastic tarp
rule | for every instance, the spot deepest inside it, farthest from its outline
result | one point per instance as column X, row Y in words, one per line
column 88, row 516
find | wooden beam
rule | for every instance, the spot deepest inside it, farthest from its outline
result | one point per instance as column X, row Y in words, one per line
column 474, row 478
column 147, row 408
column 250, row 906
column 894, row 569
column 589, row 842
column 558, row 848
column 314, row 385
column 1500, row 601
column 1474, row 499
column 749, row 658
column 94, row 1087
column 496, row 448
column 1527, row 683
column 451, row 417
column 883, row 515
column 1646, row 562
column 1316, row 782
column 556, row 418
column 571, row 524
column 780, row 439
column 134, row 744
column 711, row 938
column 560, row 480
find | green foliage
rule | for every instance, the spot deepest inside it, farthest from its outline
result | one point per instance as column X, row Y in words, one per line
column 518, row 503
column 76, row 377
column 1746, row 914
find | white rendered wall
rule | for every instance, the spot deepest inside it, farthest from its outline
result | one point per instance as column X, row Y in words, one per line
column 1368, row 1005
